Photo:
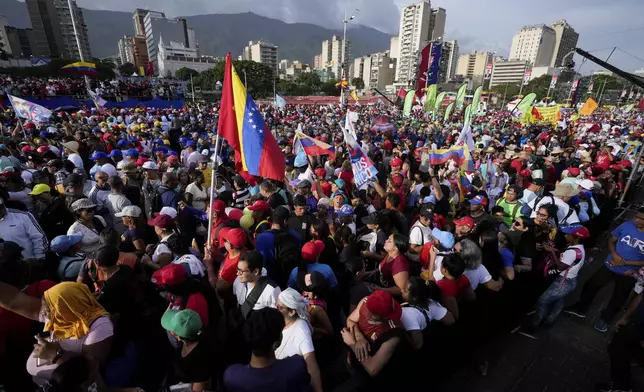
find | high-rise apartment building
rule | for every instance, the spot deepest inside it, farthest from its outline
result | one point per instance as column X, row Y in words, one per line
column 534, row 44
column 53, row 29
column 158, row 27
column 317, row 61
column 452, row 58
column 262, row 52
column 565, row 41
column 138, row 18
column 140, row 52
column 508, row 72
column 126, row 49
column 414, row 33
column 438, row 20
column 336, row 54
column 472, row 66
column 376, row 70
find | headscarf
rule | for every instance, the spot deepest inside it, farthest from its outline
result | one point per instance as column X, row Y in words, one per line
column 72, row 310
column 293, row 300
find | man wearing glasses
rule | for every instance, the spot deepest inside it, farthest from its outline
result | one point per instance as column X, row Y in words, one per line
column 252, row 288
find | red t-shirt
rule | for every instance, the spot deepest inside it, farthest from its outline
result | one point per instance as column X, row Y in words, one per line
column 388, row 269
column 454, row 288
column 403, row 197
column 347, row 177
column 196, row 302
column 517, row 164
column 373, row 331
column 602, row 161
column 228, row 271
column 326, row 189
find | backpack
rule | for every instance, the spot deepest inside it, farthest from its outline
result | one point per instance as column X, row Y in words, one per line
column 157, row 203
column 287, row 255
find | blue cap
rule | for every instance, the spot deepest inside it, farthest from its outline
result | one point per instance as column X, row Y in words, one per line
column 162, row 148
column 429, row 199
column 115, row 153
column 172, row 153
column 158, row 141
column 340, row 183
column 444, row 237
column 132, row 152
column 62, row 243
column 133, row 139
column 98, row 155
column 479, row 199
column 44, row 134
column 191, row 143
column 183, row 139
column 122, row 143
column 346, row 210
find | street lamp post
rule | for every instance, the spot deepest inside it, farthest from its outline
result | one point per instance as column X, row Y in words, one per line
column 344, row 51
column 245, row 81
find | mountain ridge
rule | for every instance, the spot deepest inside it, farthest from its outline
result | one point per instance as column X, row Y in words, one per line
column 218, row 34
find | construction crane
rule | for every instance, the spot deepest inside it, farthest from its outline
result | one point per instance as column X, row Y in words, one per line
column 637, row 80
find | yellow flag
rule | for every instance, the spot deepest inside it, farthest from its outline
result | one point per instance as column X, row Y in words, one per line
column 354, row 95
column 589, row 107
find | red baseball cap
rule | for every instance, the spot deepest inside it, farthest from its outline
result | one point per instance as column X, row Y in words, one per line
column 576, row 230
column 381, row 303
column 465, row 221
column 320, row 172
column 396, row 162
column 574, row 171
column 260, row 205
column 236, row 237
column 235, row 214
column 219, row 206
column 170, row 275
column 162, row 221
column 312, row 250
column 525, row 172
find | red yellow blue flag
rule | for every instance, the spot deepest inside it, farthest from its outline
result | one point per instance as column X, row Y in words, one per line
column 81, row 67
column 312, row 147
column 242, row 125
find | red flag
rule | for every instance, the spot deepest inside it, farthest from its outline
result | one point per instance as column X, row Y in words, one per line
column 227, row 126
column 402, row 93
column 642, row 104
column 536, row 115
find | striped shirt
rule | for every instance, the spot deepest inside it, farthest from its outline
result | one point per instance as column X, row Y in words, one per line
column 240, row 197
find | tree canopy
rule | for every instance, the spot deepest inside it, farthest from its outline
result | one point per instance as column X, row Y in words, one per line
column 358, row 83
column 259, row 77
column 128, row 69
column 185, row 73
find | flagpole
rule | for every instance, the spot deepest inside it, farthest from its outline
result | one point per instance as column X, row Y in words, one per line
column 78, row 42
column 215, row 165
column 193, row 89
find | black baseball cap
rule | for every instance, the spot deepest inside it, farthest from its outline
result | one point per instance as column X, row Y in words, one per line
column 280, row 214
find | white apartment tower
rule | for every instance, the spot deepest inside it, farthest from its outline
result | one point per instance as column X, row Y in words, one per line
column 438, row 20
column 262, row 52
column 126, row 49
column 565, row 41
column 452, row 60
column 534, row 44
column 414, row 33
column 335, row 52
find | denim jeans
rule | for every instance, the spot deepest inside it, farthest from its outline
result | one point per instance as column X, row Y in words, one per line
column 551, row 302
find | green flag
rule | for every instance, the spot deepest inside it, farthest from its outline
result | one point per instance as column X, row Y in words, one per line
column 476, row 100
column 467, row 118
column 409, row 101
column 524, row 106
column 439, row 101
column 460, row 96
column 430, row 98
column 448, row 112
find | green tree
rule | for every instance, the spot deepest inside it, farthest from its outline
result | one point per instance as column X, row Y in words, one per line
column 128, row 69
column 507, row 89
column 329, row 88
column 309, row 79
column 358, row 83
column 185, row 73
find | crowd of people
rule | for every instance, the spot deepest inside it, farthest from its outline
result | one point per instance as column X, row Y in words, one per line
column 115, row 90
column 136, row 257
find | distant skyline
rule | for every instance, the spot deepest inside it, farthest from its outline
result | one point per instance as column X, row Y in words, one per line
column 486, row 26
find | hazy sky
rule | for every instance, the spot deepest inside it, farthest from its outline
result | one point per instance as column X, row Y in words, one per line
column 476, row 24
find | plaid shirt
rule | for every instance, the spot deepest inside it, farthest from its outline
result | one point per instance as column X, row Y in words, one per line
column 61, row 175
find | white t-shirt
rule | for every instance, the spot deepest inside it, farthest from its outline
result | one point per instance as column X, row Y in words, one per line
column 199, row 196
column 563, row 210
column 413, row 320
column 101, row 329
column 116, row 203
column 91, row 238
column 296, row 340
column 568, row 257
column 478, row 276
column 418, row 235
column 267, row 299
column 161, row 249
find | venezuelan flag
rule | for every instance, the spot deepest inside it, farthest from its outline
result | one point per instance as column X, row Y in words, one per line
column 460, row 155
column 312, row 147
column 81, row 67
column 243, row 127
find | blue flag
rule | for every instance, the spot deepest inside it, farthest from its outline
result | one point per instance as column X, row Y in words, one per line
column 279, row 101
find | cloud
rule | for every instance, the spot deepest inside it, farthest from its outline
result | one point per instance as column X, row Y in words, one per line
column 477, row 25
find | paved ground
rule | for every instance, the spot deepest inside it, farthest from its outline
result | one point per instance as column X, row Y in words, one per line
column 570, row 357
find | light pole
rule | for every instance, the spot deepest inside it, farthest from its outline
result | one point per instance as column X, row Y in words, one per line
column 78, row 42
column 245, row 81
column 344, row 51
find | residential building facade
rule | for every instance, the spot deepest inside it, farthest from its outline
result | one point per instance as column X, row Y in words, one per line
column 175, row 55
column 414, row 33
column 335, row 54
column 508, row 72
column 262, row 52
column 534, row 44
column 158, row 28
column 438, row 20
column 126, row 49
column 452, row 59
column 565, row 41
column 376, row 70
column 472, row 66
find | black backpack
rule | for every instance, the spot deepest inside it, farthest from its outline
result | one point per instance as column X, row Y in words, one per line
column 287, row 255
column 157, row 203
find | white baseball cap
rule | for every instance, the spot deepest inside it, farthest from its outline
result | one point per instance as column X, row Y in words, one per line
column 169, row 211
column 132, row 211
column 149, row 165
column 586, row 184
